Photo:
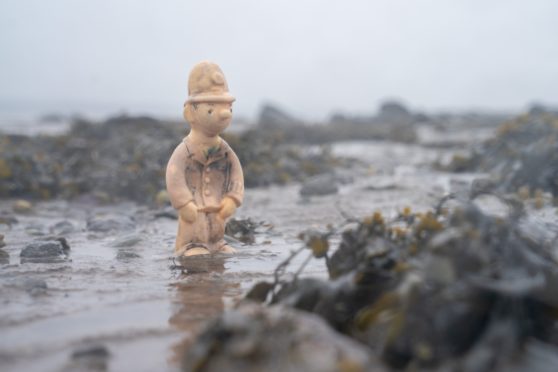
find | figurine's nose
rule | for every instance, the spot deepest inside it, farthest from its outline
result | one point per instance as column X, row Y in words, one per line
column 225, row 114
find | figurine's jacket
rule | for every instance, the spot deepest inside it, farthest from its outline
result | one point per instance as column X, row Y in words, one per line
column 205, row 177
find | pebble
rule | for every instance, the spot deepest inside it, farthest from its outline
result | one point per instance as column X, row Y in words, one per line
column 126, row 241
column 22, row 206
column 62, row 228
column 319, row 185
column 127, row 255
column 108, row 223
column 93, row 357
column 44, row 251
column 4, row 257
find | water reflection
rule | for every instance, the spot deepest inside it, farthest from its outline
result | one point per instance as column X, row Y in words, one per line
column 200, row 294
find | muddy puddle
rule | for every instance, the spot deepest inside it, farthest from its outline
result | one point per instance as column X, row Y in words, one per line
column 118, row 296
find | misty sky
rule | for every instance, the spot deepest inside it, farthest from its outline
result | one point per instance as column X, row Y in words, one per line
column 310, row 57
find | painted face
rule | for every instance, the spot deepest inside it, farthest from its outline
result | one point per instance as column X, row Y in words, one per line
column 212, row 117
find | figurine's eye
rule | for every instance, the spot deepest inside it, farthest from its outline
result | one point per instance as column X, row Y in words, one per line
column 209, row 111
column 231, row 110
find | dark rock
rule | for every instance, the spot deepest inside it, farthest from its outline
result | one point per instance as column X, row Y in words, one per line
column 482, row 186
column 123, row 255
column 395, row 112
column 4, row 257
column 89, row 358
column 319, row 185
column 2, row 243
column 242, row 230
column 430, row 290
column 273, row 117
column 523, row 154
column 253, row 338
column 44, row 251
column 167, row 212
column 108, row 223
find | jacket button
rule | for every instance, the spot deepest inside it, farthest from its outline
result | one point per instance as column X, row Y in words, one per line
column 207, row 180
column 206, row 192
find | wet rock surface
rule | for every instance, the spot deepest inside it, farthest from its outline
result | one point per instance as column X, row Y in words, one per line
column 319, row 185
column 147, row 310
column 242, row 230
column 125, row 158
column 45, row 250
column 522, row 155
column 4, row 257
column 458, row 290
column 279, row 339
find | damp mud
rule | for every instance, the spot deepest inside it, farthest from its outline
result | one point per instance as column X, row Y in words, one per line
column 116, row 300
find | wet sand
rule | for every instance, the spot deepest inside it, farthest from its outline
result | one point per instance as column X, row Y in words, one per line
column 144, row 311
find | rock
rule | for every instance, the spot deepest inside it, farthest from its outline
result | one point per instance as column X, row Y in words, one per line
column 167, row 212
column 126, row 241
column 4, row 257
column 242, row 230
column 395, row 112
column 93, row 357
column 522, row 156
column 253, row 338
column 429, row 290
column 106, row 223
column 123, row 255
column 2, row 243
column 62, row 228
column 45, row 251
column 22, row 206
column 273, row 117
column 319, row 185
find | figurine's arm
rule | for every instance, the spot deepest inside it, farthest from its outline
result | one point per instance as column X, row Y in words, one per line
column 179, row 194
column 236, row 186
column 235, row 192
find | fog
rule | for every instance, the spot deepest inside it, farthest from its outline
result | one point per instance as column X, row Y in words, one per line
column 310, row 57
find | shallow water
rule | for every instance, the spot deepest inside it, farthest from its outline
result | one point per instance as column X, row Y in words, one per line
column 144, row 311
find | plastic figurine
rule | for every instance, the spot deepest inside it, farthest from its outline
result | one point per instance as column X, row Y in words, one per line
column 204, row 176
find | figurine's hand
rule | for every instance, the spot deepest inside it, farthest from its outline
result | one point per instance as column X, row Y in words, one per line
column 189, row 212
column 228, row 206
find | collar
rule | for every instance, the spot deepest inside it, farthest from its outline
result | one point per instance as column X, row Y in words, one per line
column 204, row 155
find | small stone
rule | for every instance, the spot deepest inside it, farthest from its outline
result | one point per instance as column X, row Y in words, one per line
column 242, row 230
column 127, row 255
column 90, row 358
column 126, row 241
column 319, row 185
column 110, row 223
column 44, row 251
column 22, row 206
column 62, row 228
column 4, row 257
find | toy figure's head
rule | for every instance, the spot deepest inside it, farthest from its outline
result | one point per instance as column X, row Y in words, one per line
column 209, row 105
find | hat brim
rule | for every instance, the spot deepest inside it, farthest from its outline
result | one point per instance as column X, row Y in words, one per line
column 211, row 98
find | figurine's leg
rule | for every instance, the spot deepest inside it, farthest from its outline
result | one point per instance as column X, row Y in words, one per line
column 217, row 235
column 188, row 240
